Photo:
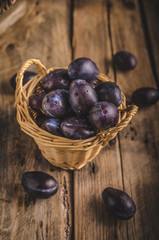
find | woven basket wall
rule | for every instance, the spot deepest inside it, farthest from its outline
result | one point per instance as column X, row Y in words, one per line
column 60, row 151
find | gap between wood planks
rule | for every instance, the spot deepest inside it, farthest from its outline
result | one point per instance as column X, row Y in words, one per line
column 148, row 40
column 71, row 27
column 72, row 56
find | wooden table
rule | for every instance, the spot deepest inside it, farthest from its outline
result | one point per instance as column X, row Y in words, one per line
column 57, row 31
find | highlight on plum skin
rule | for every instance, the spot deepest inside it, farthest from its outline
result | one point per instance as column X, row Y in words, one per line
column 52, row 125
column 56, row 103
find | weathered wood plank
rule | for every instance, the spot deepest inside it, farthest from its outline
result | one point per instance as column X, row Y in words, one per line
column 149, row 11
column 12, row 15
column 91, row 220
column 43, row 33
column 139, row 141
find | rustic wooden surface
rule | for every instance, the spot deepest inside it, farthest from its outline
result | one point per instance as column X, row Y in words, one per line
column 150, row 18
column 57, row 32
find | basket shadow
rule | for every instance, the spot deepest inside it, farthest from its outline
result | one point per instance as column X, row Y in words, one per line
column 7, row 89
column 100, row 213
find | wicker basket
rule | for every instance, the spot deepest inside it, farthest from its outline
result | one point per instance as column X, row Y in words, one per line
column 59, row 151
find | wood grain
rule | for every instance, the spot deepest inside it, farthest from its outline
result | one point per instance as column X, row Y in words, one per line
column 91, row 220
column 139, row 141
column 43, row 33
column 43, row 30
column 13, row 15
column 150, row 18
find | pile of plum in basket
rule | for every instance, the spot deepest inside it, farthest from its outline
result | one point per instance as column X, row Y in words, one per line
column 74, row 105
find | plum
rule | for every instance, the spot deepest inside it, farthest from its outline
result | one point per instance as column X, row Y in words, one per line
column 39, row 184
column 77, row 128
column 52, row 125
column 103, row 115
column 145, row 96
column 109, row 92
column 82, row 96
column 83, row 68
column 119, row 203
column 125, row 60
column 56, row 103
column 57, row 79
column 35, row 101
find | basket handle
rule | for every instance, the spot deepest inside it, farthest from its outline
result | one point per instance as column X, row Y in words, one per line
column 19, row 79
column 130, row 110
